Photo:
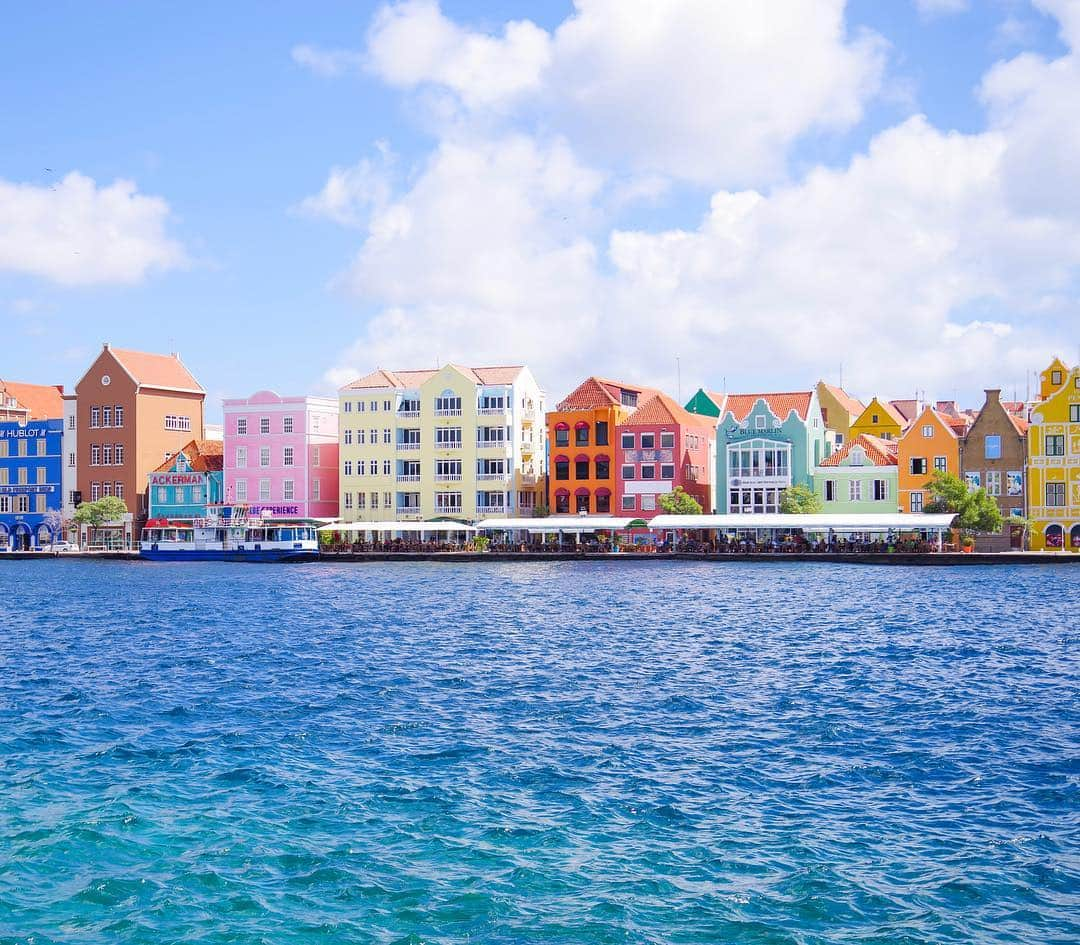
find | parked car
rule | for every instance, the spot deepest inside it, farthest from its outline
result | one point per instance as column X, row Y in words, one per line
column 59, row 546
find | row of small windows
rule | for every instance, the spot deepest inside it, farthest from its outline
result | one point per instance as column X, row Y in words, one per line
column 288, row 490
column 288, row 456
column 110, row 416
column 445, row 437
column 99, row 490
column 21, row 503
column 41, row 476
column 23, row 447
column 447, row 404
column 107, row 454
column 876, row 490
column 287, row 425
column 178, row 495
column 178, row 423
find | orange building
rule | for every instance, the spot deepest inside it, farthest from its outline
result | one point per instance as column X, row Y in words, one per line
column 134, row 409
column 581, row 443
column 929, row 444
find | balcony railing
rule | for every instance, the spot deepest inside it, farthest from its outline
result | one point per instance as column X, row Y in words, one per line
column 448, row 510
column 448, row 446
column 448, row 477
column 492, row 411
column 448, row 413
column 491, row 444
column 491, row 510
column 408, row 446
column 409, row 414
column 407, row 478
column 492, row 477
column 407, row 514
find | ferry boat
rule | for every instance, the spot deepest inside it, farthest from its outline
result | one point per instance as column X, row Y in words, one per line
column 229, row 534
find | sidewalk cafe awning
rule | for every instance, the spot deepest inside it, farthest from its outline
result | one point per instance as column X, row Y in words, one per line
column 397, row 527
column 815, row 522
column 550, row 525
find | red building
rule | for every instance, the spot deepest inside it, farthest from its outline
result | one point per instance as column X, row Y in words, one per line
column 658, row 448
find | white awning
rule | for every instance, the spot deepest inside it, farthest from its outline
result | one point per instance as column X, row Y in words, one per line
column 817, row 522
column 383, row 527
column 580, row 523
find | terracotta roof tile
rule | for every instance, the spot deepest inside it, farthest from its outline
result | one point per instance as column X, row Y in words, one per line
column 203, row 455
column 157, row 370
column 662, row 409
column 410, row 380
column 43, row 402
column 879, row 452
column 1020, row 423
column 740, row 405
column 852, row 405
column 600, row 392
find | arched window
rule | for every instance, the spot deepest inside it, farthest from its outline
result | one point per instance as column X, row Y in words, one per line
column 603, row 500
column 44, row 535
column 562, row 501
column 581, row 434
column 1055, row 536
column 1074, row 537
column 562, row 434
column 603, row 466
column 562, row 468
column 581, row 501
column 581, row 467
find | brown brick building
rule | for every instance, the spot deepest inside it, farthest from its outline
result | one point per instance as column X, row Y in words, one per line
column 993, row 454
column 133, row 410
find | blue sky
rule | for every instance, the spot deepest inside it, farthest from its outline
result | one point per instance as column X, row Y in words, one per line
column 602, row 256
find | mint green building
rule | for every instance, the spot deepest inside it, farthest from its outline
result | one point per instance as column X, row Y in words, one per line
column 861, row 476
column 765, row 443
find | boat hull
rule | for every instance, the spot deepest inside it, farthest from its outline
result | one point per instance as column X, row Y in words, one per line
column 233, row 554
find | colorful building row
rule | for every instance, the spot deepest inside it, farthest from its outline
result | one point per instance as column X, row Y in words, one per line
column 467, row 443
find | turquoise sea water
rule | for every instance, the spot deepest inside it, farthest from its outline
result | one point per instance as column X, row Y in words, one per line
column 570, row 752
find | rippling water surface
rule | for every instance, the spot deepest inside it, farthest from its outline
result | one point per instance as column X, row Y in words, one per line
column 558, row 752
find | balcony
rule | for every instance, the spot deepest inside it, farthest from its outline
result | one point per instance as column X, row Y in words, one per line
column 447, row 446
column 407, row 514
column 491, row 510
column 492, row 411
column 408, row 414
column 408, row 447
column 448, row 510
column 448, row 413
column 448, row 477
column 492, row 477
column 408, row 478
column 492, row 444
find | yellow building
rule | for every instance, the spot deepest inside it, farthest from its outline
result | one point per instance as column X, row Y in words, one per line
column 1053, row 378
column 454, row 443
column 839, row 410
column 878, row 419
column 1053, row 472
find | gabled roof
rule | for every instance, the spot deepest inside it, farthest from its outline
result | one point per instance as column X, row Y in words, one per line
column 600, row 392
column 740, row 405
column 928, row 412
column 889, row 410
column 852, row 405
column 165, row 371
column 1019, row 422
column 410, row 380
column 202, row 455
column 41, row 401
column 660, row 409
column 878, row 452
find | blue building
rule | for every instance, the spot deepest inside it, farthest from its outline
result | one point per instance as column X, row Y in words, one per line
column 31, row 487
column 188, row 481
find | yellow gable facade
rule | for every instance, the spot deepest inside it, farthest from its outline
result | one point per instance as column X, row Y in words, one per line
column 877, row 420
column 1053, row 378
column 1053, row 473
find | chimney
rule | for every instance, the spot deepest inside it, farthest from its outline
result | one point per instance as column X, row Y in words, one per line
column 993, row 395
column 105, row 347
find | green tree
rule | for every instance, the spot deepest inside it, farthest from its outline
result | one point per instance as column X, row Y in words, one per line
column 976, row 511
column 96, row 514
column 680, row 502
column 800, row 500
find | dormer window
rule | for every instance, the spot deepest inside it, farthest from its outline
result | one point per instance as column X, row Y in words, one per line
column 1055, row 377
column 628, row 398
column 857, row 456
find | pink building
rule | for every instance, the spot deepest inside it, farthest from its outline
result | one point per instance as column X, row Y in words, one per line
column 658, row 448
column 281, row 454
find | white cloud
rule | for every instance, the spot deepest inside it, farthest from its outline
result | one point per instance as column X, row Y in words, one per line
column 934, row 259
column 326, row 62
column 350, row 193
column 77, row 233
column 932, row 8
column 693, row 89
